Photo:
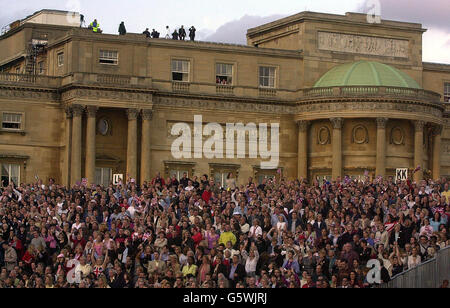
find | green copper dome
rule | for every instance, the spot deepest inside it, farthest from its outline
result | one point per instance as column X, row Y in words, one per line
column 366, row 73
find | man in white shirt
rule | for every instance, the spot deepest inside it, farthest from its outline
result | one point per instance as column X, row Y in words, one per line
column 255, row 230
column 190, row 186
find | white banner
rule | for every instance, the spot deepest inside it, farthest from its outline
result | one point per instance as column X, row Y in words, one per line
column 401, row 174
column 117, row 179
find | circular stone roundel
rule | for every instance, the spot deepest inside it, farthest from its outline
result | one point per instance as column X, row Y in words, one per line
column 397, row 136
column 323, row 135
column 360, row 134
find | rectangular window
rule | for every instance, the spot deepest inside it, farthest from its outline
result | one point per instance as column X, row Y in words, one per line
column 447, row 92
column 220, row 178
column 224, row 74
column 103, row 176
column 60, row 58
column 267, row 77
column 180, row 70
column 109, row 57
column 11, row 121
column 10, row 173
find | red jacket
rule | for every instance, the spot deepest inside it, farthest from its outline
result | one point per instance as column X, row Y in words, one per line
column 197, row 238
column 206, row 195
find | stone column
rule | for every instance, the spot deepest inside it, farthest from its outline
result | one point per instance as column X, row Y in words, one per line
column 90, row 144
column 145, row 146
column 302, row 152
column 75, row 171
column 67, row 136
column 337, row 147
column 132, row 143
column 418, row 149
column 381, row 147
column 437, row 132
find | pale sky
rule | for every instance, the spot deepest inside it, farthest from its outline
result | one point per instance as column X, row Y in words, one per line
column 228, row 20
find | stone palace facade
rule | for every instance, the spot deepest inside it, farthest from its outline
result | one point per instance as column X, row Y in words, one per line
column 350, row 97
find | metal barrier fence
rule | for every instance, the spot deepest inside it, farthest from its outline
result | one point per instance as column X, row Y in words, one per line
column 429, row 274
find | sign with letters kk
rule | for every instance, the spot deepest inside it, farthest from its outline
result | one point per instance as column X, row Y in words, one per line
column 401, row 174
column 117, row 178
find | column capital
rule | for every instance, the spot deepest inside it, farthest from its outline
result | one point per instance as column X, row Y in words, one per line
column 303, row 125
column 132, row 114
column 77, row 110
column 437, row 130
column 68, row 111
column 147, row 114
column 337, row 122
column 418, row 125
column 381, row 122
column 91, row 111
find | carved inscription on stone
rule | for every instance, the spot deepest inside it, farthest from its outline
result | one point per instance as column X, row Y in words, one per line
column 361, row 44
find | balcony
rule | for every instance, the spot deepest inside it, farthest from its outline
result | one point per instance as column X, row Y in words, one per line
column 267, row 92
column 178, row 86
column 113, row 79
column 224, row 89
column 28, row 79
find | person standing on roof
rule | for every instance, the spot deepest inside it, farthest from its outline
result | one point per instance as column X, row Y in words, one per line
column 95, row 26
column 122, row 29
column 182, row 33
column 192, row 33
column 168, row 35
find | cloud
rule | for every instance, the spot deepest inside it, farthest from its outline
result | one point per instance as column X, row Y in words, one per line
column 430, row 13
column 235, row 32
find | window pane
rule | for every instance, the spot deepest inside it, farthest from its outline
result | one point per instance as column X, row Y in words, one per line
column 107, row 176
column 5, row 174
column 446, row 92
column 98, row 176
column 11, row 120
column 218, row 178
column 177, row 76
column 15, row 173
column 267, row 76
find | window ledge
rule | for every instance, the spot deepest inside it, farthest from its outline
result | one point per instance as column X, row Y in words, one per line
column 12, row 131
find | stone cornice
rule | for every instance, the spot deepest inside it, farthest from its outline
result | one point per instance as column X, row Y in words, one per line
column 302, row 104
column 439, row 67
column 369, row 109
column 76, row 34
column 32, row 93
column 219, row 103
column 348, row 19
column 108, row 97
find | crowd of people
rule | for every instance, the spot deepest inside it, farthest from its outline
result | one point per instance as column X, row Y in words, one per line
column 193, row 233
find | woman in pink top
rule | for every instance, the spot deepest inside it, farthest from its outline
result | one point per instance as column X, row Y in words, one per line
column 212, row 237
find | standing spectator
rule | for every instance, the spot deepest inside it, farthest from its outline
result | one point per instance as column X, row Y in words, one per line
column 147, row 33
column 192, row 33
column 182, row 33
column 122, row 29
